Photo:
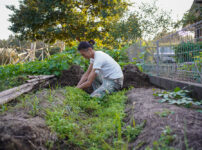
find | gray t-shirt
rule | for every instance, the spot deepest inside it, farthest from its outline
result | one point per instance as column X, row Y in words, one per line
column 106, row 65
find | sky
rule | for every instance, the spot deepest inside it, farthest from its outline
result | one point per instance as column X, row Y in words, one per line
column 178, row 7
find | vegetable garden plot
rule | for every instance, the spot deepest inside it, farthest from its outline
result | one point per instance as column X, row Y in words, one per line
column 67, row 118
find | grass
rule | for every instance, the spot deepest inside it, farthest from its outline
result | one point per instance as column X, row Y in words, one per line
column 34, row 107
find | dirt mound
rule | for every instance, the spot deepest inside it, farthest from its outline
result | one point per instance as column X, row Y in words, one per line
column 134, row 77
column 71, row 76
column 24, row 133
column 142, row 105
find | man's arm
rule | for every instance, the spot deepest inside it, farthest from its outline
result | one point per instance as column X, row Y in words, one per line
column 85, row 75
column 89, row 81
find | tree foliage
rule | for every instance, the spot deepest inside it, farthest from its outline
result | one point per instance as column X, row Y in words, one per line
column 190, row 17
column 126, row 31
column 65, row 20
column 153, row 20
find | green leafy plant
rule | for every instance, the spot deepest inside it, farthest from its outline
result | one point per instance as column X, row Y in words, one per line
column 178, row 96
column 53, row 65
column 3, row 108
column 131, row 132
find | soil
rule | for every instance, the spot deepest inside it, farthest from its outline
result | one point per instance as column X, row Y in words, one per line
column 72, row 76
column 21, row 131
column 142, row 105
column 133, row 77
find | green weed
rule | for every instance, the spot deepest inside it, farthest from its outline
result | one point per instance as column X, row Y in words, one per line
column 164, row 113
column 3, row 108
column 34, row 107
column 91, row 123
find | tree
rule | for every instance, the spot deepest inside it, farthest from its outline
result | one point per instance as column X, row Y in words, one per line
column 125, row 31
column 153, row 20
column 65, row 20
column 190, row 17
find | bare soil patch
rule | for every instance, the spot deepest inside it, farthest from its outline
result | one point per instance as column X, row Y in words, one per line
column 21, row 132
column 142, row 105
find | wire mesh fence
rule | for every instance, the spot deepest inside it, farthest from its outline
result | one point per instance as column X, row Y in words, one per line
column 177, row 55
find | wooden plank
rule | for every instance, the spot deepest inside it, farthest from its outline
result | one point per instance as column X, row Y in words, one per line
column 13, row 93
column 35, row 82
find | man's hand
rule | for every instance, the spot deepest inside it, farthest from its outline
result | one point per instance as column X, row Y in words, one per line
column 89, row 81
column 85, row 75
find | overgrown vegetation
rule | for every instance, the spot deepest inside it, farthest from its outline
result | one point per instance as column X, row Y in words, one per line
column 81, row 121
column 178, row 96
column 7, row 83
column 91, row 123
column 53, row 65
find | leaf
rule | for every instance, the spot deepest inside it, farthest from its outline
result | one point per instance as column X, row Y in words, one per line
column 165, row 96
column 162, row 100
column 133, row 123
column 177, row 89
column 173, row 102
column 57, row 73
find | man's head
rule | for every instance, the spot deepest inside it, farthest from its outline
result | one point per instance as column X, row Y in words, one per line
column 86, row 49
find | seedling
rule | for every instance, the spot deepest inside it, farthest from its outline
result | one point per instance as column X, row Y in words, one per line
column 164, row 113
column 35, row 107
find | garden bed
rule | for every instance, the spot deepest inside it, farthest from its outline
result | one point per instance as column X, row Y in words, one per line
column 182, row 127
column 67, row 118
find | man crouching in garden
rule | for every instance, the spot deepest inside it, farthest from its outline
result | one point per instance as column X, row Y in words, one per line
column 104, row 73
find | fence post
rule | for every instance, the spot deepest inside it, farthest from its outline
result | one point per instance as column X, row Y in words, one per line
column 157, row 58
column 32, row 51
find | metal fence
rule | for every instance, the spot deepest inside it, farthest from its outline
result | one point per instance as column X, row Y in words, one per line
column 177, row 55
